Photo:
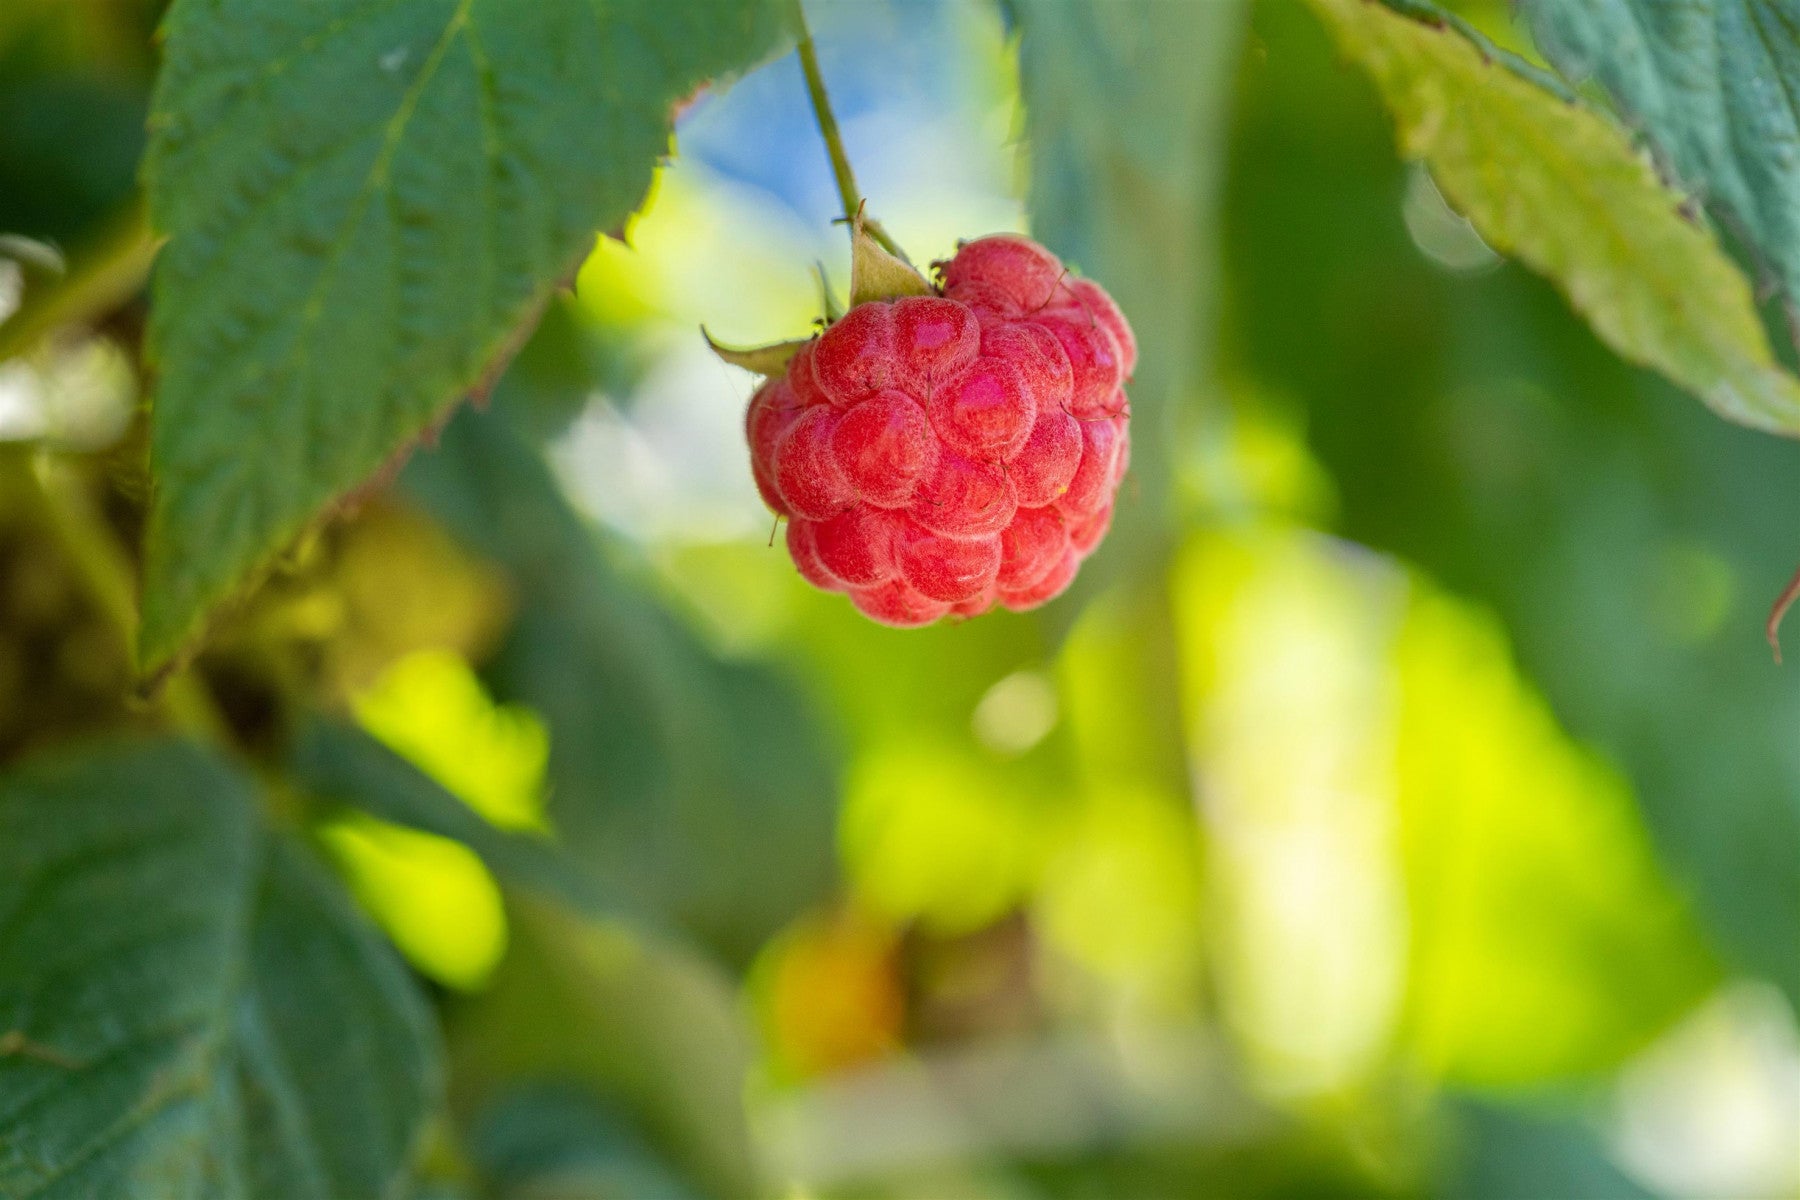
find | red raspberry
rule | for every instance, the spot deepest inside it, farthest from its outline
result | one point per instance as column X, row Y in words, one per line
column 883, row 446
column 1007, row 269
column 941, row 454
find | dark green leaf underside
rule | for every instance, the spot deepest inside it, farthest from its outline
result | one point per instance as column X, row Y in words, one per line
column 191, row 1007
column 366, row 200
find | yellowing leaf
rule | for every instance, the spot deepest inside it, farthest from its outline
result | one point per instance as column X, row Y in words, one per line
column 1555, row 185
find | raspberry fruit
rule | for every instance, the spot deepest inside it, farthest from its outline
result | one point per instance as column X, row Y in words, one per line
column 941, row 452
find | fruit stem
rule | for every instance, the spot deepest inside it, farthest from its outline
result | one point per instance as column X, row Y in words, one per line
column 834, row 142
column 103, row 568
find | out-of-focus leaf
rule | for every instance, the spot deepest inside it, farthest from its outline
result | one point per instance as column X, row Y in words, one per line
column 190, row 1008
column 1627, row 540
column 1288, row 703
column 568, row 358
column 1505, row 1154
column 368, row 202
column 703, row 789
column 1562, row 189
column 632, row 1024
column 336, row 1052
column 1364, row 729
column 74, row 88
column 69, row 149
column 1715, row 86
column 1126, row 110
column 342, row 764
column 1546, row 942
column 558, row 1143
column 433, row 898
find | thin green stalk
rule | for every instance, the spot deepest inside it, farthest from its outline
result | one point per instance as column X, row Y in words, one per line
column 106, row 574
column 834, row 142
column 100, row 280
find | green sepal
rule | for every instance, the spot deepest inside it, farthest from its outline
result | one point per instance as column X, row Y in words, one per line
column 771, row 359
column 875, row 274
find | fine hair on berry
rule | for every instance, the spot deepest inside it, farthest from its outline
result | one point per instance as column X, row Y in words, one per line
column 937, row 455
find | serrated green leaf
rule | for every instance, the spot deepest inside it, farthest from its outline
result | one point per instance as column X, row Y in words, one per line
column 191, row 1008
column 1562, row 190
column 367, row 202
column 1715, row 87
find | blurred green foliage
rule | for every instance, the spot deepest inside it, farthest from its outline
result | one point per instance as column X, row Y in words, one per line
column 1402, row 805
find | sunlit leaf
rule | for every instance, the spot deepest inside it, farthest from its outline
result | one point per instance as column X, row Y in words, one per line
column 1560, row 188
column 1546, row 942
column 367, row 203
column 342, row 765
column 431, row 896
column 934, row 835
column 431, row 709
column 1387, row 803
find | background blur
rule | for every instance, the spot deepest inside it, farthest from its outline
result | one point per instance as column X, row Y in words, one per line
column 1403, row 803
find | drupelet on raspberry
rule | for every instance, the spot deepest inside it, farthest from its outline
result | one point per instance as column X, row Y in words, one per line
column 943, row 453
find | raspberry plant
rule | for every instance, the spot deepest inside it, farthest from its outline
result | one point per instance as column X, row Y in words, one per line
column 943, row 452
column 943, row 448
column 360, row 211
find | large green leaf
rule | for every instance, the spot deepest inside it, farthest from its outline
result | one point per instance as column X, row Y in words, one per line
column 367, row 202
column 1126, row 109
column 191, row 1008
column 1715, row 86
column 704, row 789
column 1561, row 189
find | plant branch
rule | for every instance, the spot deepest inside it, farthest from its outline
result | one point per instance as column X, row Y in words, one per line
column 99, row 281
column 834, row 142
column 106, row 574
